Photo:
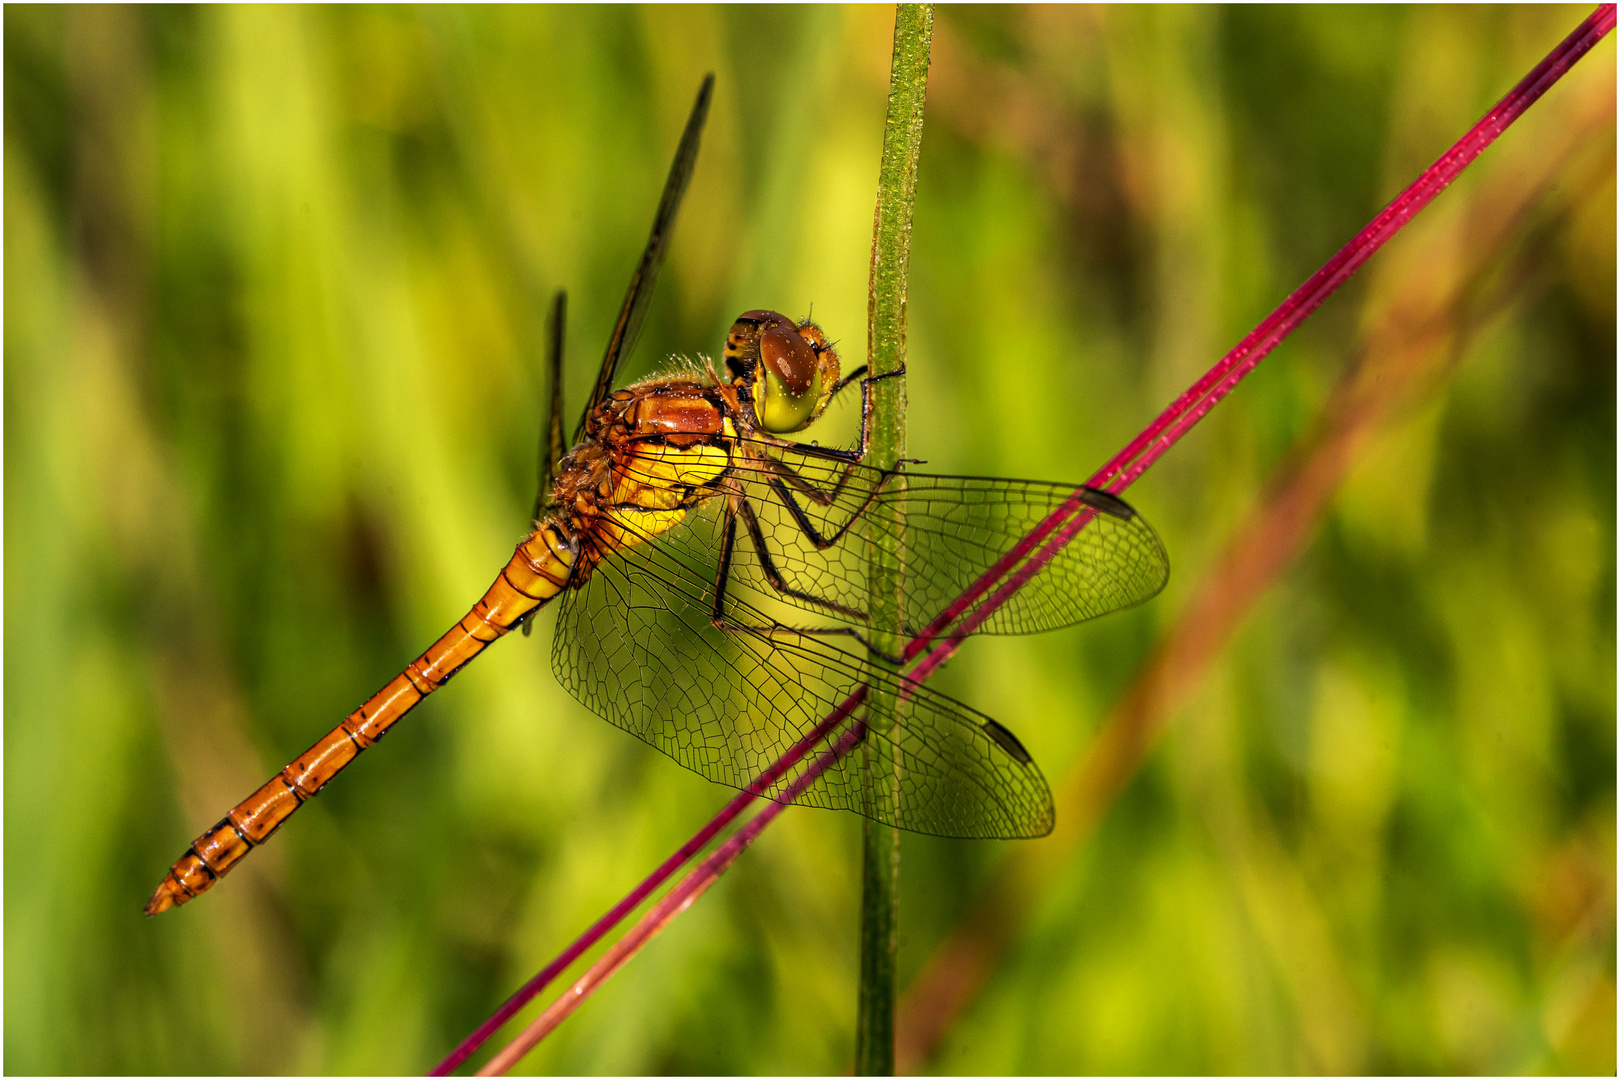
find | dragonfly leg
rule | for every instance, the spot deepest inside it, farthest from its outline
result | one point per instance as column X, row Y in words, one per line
column 756, row 536
column 859, row 452
column 819, row 496
column 844, row 383
column 722, row 580
column 820, row 541
column 851, row 459
column 826, row 496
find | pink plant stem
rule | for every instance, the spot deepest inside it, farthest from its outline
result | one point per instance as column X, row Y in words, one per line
column 664, row 912
column 1042, row 544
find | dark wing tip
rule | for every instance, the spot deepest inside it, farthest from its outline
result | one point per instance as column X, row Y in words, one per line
column 1107, row 503
column 700, row 114
column 1007, row 741
column 639, row 294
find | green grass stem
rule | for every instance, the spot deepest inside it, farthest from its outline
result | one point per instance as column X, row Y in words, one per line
column 886, row 353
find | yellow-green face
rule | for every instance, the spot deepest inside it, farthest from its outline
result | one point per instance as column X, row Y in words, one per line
column 793, row 368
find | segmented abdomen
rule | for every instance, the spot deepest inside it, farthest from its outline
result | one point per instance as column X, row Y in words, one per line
column 539, row 569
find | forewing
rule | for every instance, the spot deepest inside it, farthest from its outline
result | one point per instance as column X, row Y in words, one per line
column 551, row 434
column 637, row 646
column 639, row 294
column 955, row 529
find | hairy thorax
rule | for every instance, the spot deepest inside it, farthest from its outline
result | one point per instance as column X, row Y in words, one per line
column 650, row 453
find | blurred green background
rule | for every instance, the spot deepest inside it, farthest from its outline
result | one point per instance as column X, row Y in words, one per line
column 274, row 292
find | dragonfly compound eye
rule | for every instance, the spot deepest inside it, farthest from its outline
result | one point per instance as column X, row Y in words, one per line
column 792, row 380
column 742, row 343
column 789, row 357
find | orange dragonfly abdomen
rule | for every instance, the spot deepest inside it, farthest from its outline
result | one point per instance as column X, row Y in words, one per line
column 539, row 569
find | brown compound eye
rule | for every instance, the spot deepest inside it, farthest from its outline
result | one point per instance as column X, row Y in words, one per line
column 742, row 343
column 765, row 317
column 789, row 357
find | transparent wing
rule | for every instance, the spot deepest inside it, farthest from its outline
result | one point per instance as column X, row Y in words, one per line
column 639, row 294
column 637, row 645
column 551, row 434
column 815, row 520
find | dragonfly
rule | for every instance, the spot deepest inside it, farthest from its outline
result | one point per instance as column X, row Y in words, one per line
column 712, row 580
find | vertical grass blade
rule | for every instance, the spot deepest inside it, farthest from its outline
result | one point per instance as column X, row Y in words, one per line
column 886, row 356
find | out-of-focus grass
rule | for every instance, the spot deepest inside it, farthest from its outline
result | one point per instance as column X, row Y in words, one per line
column 274, row 302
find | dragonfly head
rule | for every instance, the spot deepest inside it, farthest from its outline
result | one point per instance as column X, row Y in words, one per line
column 787, row 370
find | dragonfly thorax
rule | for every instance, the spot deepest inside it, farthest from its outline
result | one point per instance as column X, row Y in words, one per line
column 650, row 453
